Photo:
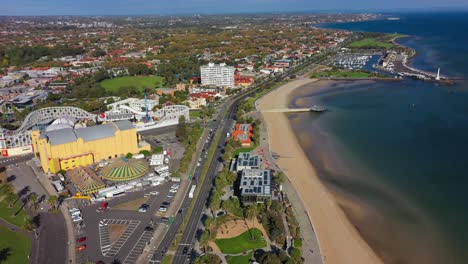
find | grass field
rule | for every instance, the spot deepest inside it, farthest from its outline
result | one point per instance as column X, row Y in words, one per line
column 140, row 82
column 239, row 259
column 239, row 150
column 194, row 114
column 242, row 242
column 14, row 215
column 370, row 43
column 347, row 74
column 14, row 247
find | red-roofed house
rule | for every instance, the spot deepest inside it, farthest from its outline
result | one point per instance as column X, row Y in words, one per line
column 243, row 133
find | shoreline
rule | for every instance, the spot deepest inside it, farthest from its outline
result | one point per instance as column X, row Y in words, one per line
column 339, row 240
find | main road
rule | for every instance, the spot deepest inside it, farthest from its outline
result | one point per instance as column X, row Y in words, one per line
column 182, row 254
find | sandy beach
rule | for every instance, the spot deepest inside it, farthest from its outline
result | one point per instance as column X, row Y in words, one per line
column 339, row 240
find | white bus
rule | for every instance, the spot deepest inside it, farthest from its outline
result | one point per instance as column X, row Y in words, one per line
column 192, row 191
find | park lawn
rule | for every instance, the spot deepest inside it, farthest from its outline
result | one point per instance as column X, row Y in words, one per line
column 140, row 82
column 242, row 243
column 370, row 43
column 16, row 246
column 15, row 215
column 195, row 114
column 240, row 259
column 239, row 150
column 348, row 74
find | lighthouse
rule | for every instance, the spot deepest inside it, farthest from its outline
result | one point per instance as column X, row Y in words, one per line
column 438, row 74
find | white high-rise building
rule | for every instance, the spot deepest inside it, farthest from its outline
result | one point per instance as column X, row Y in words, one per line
column 218, row 75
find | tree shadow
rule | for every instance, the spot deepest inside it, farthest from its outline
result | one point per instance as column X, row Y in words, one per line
column 4, row 254
column 41, row 199
column 37, row 220
column 23, row 192
column 11, row 178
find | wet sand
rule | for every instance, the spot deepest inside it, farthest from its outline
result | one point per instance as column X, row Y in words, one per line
column 339, row 240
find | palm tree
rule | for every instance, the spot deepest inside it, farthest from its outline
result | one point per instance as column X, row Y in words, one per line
column 32, row 199
column 210, row 223
column 251, row 213
column 204, row 239
column 52, row 200
column 280, row 178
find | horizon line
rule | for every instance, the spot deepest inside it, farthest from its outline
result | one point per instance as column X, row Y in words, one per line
column 319, row 11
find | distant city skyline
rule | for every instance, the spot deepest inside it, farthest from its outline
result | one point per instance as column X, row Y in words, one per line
column 163, row 7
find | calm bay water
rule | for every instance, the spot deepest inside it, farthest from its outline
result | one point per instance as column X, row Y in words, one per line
column 401, row 147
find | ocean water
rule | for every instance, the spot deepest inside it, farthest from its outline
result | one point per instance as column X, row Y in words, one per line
column 400, row 149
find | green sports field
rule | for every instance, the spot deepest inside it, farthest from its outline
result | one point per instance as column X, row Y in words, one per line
column 140, row 82
column 14, row 247
column 370, row 43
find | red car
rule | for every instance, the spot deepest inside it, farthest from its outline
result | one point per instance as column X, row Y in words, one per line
column 80, row 248
column 81, row 239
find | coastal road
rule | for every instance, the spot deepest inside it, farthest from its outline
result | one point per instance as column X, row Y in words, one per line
column 222, row 122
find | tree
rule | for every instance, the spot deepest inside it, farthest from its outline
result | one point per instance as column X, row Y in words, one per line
column 204, row 239
column 296, row 254
column 32, row 198
column 129, row 155
column 181, row 131
column 280, row 178
column 52, row 201
column 270, row 258
column 250, row 213
column 215, row 201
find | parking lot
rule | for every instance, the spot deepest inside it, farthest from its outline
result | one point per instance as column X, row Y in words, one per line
column 139, row 226
column 169, row 142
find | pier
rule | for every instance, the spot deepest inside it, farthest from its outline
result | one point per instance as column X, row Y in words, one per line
column 314, row 108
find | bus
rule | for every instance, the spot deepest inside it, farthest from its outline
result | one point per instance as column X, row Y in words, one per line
column 192, row 191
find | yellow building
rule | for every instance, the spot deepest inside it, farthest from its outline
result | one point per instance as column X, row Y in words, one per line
column 66, row 148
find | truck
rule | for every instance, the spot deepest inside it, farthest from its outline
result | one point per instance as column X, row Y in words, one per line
column 139, row 156
column 192, row 191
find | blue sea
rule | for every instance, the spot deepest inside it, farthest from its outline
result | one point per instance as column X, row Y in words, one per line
column 399, row 150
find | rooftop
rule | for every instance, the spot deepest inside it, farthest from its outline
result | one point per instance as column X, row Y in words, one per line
column 66, row 135
column 255, row 182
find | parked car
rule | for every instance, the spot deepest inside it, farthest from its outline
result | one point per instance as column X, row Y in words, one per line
column 77, row 218
column 81, row 248
column 143, row 208
column 166, row 203
column 81, row 239
column 162, row 209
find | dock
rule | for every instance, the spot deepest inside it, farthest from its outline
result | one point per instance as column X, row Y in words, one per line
column 314, row 108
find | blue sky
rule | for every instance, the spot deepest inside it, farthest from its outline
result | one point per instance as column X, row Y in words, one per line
column 164, row 7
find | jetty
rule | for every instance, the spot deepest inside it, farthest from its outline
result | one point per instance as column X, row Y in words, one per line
column 314, row 108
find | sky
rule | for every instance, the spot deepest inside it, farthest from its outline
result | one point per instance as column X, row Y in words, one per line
column 168, row 7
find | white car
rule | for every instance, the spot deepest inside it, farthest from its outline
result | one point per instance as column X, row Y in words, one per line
column 154, row 193
column 142, row 210
column 76, row 213
column 173, row 190
column 162, row 209
column 71, row 210
column 77, row 218
column 175, row 186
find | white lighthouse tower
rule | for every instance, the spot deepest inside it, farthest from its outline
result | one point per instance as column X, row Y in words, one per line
column 438, row 74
